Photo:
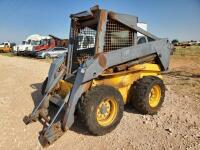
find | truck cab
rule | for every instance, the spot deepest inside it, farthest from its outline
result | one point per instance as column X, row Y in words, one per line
column 6, row 47
column 33, row 44
column 26, row 45
column 45, row 44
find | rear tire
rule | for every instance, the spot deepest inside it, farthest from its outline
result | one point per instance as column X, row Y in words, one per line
column 147, row 95
column 101, row 109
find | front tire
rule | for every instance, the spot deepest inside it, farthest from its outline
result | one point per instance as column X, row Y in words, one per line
column 102, row 109
column 147, row 95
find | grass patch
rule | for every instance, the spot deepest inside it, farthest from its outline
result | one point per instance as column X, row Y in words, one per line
column 187, row 51
column 7, row 54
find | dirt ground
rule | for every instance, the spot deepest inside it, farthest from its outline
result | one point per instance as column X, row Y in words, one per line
column 176, row 126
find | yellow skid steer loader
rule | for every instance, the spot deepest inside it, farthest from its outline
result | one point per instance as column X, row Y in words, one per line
column 105, row 68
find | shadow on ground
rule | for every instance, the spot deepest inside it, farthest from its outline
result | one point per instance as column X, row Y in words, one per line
column 36, row 95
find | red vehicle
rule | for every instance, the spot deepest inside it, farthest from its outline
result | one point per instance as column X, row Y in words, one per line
column 39, row 43
column 45, row 45
column 49, row 42
column 36, row 43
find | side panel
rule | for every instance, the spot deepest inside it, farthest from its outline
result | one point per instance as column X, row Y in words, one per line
column 123, row 81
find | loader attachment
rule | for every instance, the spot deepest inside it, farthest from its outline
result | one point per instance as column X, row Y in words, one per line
column 101, row 41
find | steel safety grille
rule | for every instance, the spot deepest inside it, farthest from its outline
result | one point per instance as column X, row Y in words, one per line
column 117, row 36
column 86, row 38
column 83, row 38
column 83, row 41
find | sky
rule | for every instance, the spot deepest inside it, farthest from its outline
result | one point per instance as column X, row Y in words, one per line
column 173, row 19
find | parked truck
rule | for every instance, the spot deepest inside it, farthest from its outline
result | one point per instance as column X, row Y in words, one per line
column 6, row 47
column 33, row 44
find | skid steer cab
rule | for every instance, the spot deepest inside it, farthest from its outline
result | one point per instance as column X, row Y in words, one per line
column 105, row 69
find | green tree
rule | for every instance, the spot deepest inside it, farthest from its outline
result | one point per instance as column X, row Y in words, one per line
column 175, row 41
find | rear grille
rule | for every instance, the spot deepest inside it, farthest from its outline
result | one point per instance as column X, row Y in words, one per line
column 117, row 36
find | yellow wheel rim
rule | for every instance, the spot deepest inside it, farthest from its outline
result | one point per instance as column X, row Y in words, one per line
column 154, row 96
column 107, row 111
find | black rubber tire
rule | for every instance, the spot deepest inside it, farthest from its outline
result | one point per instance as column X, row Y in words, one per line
column 47, row 56
column 44, row 85
column 88, row 107
column 140, row 94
